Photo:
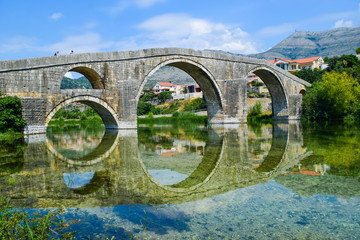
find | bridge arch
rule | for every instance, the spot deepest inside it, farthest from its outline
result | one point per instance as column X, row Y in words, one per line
column 93, row 77
column 201, row 75
column 279, row 98
column 105, row 111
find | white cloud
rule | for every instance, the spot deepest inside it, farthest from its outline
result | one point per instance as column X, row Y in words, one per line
column 123, row 4
column 181, row 30
column 342, row 23
column 56, row 16
column 69, row 75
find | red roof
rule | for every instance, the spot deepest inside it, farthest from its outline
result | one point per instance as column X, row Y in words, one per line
column 306, row 60
column 303, row 60
column 165, row 84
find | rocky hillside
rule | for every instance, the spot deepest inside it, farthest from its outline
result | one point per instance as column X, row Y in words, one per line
column 167, row 74
column 304, row 44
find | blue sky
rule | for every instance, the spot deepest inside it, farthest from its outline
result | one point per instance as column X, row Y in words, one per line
column 39, row 28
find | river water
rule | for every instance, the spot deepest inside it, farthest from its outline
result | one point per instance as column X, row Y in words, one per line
column 185, row 181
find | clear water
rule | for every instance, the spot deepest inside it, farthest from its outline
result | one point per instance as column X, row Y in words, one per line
column 281, row 181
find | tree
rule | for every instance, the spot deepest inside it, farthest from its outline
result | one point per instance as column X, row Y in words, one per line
column 336, row 96
column 358, row 50
column 309, row 75
column 164, row 96
column 144, row 108
column 346, row 63
column 11, row 114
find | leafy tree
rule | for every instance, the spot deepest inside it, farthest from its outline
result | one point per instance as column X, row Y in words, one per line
column 164, row 96
column 148, row 96
column 11, row 114
column 358, row 50
column 309, row 75
column 144, row 108
column 336, row 96
column 346, row 63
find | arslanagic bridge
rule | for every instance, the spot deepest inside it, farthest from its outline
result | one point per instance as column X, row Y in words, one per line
column 118, row 79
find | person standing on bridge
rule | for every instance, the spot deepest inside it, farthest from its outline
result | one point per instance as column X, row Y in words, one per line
column 56, row 53
column 72, row 51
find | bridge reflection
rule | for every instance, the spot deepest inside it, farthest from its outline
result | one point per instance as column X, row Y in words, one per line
column 116, row 170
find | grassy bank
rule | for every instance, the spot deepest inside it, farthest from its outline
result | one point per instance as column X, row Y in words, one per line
column 176, row 117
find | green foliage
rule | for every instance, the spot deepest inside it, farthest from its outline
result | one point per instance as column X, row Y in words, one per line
column 18, row 224
column 309, row 75
column 257, row 84
column 164, row 96
column 144, row 108
column 336, row 96
column 80, row 83
column 255, row 110
column 358, row 50
column 148, row 97
column 76, row 114
column 195, row 105
column 11, row 115
column 346, row 63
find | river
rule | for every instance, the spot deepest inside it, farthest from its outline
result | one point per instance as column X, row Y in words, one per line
column 185, row 181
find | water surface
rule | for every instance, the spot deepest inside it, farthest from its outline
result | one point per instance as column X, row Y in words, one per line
column 281, row 181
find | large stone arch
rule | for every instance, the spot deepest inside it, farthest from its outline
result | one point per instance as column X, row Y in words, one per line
column 107, row 114
column 279, row 98
column 201, row 75
column 92, row 75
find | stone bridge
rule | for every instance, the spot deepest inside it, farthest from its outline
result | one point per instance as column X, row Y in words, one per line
column 118, row 78
column 120, row 176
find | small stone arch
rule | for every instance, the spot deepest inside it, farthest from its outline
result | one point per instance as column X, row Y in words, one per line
column 107, row 145
column 107, row 114
column 93, row 77
column 201, row 75
column 279, row 98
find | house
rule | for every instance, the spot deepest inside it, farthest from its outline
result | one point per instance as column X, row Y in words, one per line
column 298, row 64
column 179, row 91
column 168, row 86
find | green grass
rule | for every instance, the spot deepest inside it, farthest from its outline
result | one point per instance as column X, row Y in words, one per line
column 180, row 117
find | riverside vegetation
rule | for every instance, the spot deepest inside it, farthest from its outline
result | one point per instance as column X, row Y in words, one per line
column 335, row 91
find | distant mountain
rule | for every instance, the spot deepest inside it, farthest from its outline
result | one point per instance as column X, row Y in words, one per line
column 69, row 83
column 304, row 44
column 167, row 74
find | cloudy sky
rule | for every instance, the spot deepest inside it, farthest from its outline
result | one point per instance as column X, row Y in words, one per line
column 39, row 28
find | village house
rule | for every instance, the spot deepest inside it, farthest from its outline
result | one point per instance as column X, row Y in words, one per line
column 178, row 91
column 298, row 64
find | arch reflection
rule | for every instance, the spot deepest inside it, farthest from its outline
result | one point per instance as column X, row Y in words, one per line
column 82, row 148
column 117, row 174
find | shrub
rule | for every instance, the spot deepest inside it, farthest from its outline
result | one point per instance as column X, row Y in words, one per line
column 11, row 114
column 255, row 110
column 144, row 108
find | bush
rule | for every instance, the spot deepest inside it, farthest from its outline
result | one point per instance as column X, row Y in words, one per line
column 144, row 108
column 255, row 110
column 195, row 105
column 335, row 97
column 11, row 115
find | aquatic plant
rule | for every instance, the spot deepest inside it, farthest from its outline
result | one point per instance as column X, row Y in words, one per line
column 19, row 224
